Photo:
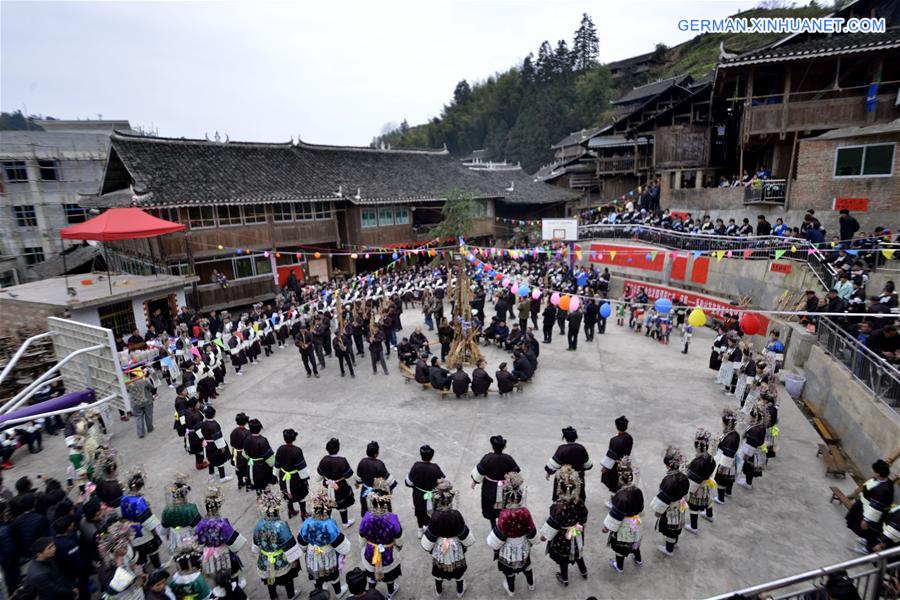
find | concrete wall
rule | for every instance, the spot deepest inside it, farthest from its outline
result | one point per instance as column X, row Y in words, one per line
column 867, row 427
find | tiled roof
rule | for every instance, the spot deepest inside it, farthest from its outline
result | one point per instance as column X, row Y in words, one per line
column 656, row 88
column 168, row 172
column 518, row 187
column 818, row 46
column 577, row 137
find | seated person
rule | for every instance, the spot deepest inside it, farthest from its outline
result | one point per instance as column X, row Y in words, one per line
column 522, row 367
column 506, row 381
column 501, row 334
column 514, row 337
column 422, row 370
column 491, row 330
column 438, row 377
column 461, row 381
column 406, row 352
column 419, row 342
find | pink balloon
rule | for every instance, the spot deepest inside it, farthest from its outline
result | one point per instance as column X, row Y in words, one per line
column 574, row 303
column 505, row 282
column 554, row 299
column 536, row 294
column 515, row 288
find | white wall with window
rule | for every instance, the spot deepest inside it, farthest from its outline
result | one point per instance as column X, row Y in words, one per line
column 867, row 160
column 25, row 215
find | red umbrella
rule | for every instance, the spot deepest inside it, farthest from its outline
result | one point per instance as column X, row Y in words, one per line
column 118, row 224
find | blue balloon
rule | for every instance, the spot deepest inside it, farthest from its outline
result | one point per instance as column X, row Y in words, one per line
column 471, row 258
column 524, row 290
column 605, row 310
column 582, row 280
column 394, row 256
column 663, row 306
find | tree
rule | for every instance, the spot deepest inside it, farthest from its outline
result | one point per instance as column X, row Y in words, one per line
column 16, row 121
column 544, row 63
column 526, row 74
column 592, row 90
column 462, row 93
column 586, row 45
column 457, row 215
column 562, row 58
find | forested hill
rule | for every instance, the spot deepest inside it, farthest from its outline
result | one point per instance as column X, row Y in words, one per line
column 517, row 115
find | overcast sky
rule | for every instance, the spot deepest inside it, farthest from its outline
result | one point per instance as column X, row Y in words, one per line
column 331, row 72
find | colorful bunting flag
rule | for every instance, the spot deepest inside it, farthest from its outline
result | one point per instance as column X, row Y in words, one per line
column 779, row 254
column 719, row 255
column 612, row 255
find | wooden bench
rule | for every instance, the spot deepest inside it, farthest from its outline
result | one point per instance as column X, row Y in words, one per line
column 837, row 494
column 834, row 460
column 820, row 424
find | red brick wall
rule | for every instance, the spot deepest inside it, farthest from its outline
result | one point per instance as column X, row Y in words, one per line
column 816, row 187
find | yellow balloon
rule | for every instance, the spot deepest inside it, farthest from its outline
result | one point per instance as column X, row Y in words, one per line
column 697, row 318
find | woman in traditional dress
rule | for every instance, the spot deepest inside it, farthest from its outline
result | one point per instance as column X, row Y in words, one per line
column 277, row 550
column 382, row 538
column 511, row 538
column 220, row 541
column 446, row 538
column 324, row 544
column 623, row 523
column 147, row 528
column 180, row 516
column 564, row 528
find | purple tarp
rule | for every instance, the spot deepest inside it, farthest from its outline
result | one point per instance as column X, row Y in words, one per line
column 65, row 401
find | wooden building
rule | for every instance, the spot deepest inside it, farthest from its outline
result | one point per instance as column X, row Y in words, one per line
column 281, row 199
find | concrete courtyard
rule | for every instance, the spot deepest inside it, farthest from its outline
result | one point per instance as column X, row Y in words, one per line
column 783, row 526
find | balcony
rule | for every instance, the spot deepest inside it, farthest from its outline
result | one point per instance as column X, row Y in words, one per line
column 813, row 114
column 771, row 191
column 240, row 292
column 622, row 164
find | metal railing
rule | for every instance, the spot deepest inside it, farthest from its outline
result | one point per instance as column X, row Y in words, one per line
column 771, row 191
column 867, row 573
column 882, row 378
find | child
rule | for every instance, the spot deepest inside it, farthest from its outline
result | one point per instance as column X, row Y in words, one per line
column 620, row 313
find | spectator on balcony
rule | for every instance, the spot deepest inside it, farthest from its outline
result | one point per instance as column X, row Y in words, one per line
column 732, row 228
column 888, row 295
column 810, row 221
column 780, row 228
column 815, row 235
column 719, row 228
column 219, row 278
column 763, row 227
column 843, row 287
column 848, row 225
column 746, row 228
column 885, row 343
column 877, row 308
column 763, row 172
column 707, row 226
column 723, row 182
column 835, row 304
column 810, row 306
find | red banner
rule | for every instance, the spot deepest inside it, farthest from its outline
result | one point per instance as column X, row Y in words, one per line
column 710, row 305
column 285, row 271
column 854, row 204
column 783, row 268
column 633, row 257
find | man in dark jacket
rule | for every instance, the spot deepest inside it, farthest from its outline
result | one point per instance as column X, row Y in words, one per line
column 460, row 381
column 422, row 370
column 506, row 381
column 481, row 381
column 29, row 525
column 763, row 227
column 574, row 328
column 44, row 575
column 438, row 376
column 848, row 225
column 68, row 557
column 549, row 320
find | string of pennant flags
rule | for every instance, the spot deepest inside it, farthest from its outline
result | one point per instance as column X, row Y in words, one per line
column 581, row 213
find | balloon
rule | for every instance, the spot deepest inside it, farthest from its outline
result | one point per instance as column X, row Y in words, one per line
column 394, row 256
column 505, row 282
column 554, row 298
column 697, row 318
column 605, row 310
column 523, row 290
column 663, row 306
column 354, row 256
column 471, row 258
column 582, row 280
column 498, row 276
column 536, row 294
column 575, row 303
column 749, row 324
column 317, row 254
column 515, row 288
column 565, row 302
column 266, row 254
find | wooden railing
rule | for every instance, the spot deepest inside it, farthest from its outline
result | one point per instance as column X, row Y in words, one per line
column 807, row 115
column 624, row 164
column 239, row 292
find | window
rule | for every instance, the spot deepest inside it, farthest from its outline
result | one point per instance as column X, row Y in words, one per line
column 303, row 211
column 479, row 209
column 25, row 215
column 228, row 215
column 201, row 217
column 282, row 211
column 15, row 171
column 118, row 316
column 873, row 160
column 74, row 213
column 168, row 214
column 254, row 213
column 401, row 215
column 243, row 267
column 323, row 210
column 49, row 170
column 386, row 215
column 33, row 255
column 369, row 217
column 263, row 265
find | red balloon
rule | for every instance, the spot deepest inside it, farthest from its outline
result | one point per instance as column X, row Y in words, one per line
column 499, row 276
column 749, row 324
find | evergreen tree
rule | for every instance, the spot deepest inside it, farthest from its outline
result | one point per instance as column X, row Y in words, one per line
column 457, row 215
column 544, row 63
column 527, row 74
column 586, row 45
column 562, row 59
column 462, row 93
